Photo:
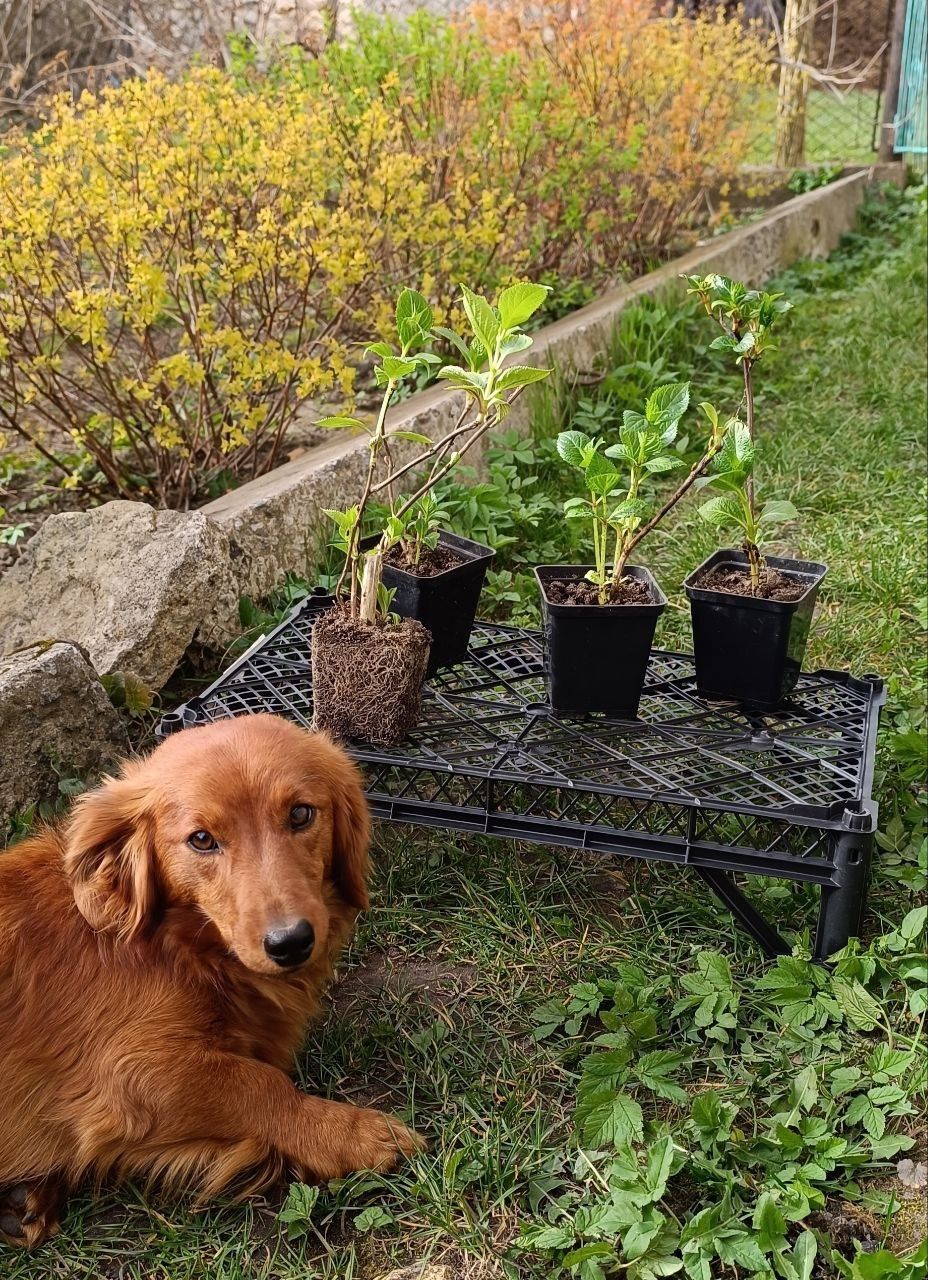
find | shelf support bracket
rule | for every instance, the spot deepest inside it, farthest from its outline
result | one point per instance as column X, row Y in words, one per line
column 744, row 911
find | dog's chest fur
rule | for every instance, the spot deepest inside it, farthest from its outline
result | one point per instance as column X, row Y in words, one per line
column 267, row 1018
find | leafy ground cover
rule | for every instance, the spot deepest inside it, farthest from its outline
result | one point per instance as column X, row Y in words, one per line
column 612, row 1079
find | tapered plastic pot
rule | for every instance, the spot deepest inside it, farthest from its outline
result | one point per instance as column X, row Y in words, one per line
column 747, row 649
column 445, row 603
column 596, row 656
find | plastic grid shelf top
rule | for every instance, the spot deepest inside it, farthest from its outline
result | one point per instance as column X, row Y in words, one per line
column 686, row 771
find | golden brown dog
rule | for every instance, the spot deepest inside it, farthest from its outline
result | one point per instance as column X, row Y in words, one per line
column 160, row 956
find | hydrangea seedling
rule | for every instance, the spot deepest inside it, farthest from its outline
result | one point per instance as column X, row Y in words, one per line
column 746, row 318
column 617, row 479
column 490, row 385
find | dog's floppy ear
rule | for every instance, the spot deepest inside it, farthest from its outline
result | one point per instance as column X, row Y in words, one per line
column 110, row 857
column 351, row 832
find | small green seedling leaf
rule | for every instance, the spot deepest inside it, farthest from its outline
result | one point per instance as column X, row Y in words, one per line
column 777, row 512
column 572, row 446
column 415, row 437
column 482, row 319
column 413, row 318
column 519, row 375
column 297, row 1210
column 666, row 405
column 373, row 1217
column 337, row 421
column 519, row 303
column 464, row 379
column 379, row 349
column 397, row 367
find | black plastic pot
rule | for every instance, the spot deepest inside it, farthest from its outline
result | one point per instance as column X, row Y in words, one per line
column 596, row 656
column 750, row 650
column 445, row 603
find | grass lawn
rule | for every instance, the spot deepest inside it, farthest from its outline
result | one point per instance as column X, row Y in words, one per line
column 735, row 1119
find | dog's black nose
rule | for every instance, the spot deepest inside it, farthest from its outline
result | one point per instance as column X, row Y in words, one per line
column 291, row 944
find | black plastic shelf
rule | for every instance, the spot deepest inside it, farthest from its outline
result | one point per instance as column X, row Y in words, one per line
column 786, row 795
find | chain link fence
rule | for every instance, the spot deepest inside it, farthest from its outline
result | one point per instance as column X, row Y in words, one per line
column 844, row 72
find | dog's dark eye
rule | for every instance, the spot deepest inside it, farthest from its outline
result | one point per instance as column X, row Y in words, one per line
column 203, row 842
column 301, row 815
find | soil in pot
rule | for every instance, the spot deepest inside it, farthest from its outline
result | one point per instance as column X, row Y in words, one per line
column 432, row 560
column 596, row 656
column 737, row 582
column 367, row 677
column 570, row 591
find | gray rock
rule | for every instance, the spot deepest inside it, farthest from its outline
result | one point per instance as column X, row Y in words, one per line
column 55, row 722
column 133, row 586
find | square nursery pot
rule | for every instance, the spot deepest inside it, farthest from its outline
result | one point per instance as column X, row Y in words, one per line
column 367, row 678
column 445, row 603
column 747, row 649
column 596, row 656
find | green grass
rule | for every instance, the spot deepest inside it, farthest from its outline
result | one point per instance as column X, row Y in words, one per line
column 477, row 984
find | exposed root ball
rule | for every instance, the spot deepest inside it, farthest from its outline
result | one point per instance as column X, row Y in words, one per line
column 368, row 677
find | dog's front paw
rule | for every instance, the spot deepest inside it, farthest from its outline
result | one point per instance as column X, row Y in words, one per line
column 380, row 1141
column 347, row 1139
column 29, row 1212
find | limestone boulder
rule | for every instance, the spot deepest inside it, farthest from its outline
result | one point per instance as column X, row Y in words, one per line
column 132, row 586
column 56, row 722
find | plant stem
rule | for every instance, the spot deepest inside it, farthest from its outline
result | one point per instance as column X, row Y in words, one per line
column 600, row 534
column 370, row 583
column 695, row 472
column 747, row 368
column 485, row 424
column 352, row 554
column 756, row 563
column 623, row 544
column 439, row 445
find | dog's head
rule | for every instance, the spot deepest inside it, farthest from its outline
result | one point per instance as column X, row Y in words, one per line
column 259, row 825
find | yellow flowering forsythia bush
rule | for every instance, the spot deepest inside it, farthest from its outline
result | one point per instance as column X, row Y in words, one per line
column 600, row 121
column 182, row 264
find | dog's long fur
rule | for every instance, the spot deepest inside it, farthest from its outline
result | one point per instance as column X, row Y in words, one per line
column 143, row 1029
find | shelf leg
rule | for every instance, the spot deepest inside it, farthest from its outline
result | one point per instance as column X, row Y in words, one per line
column 843, row 901
column 744, row 911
